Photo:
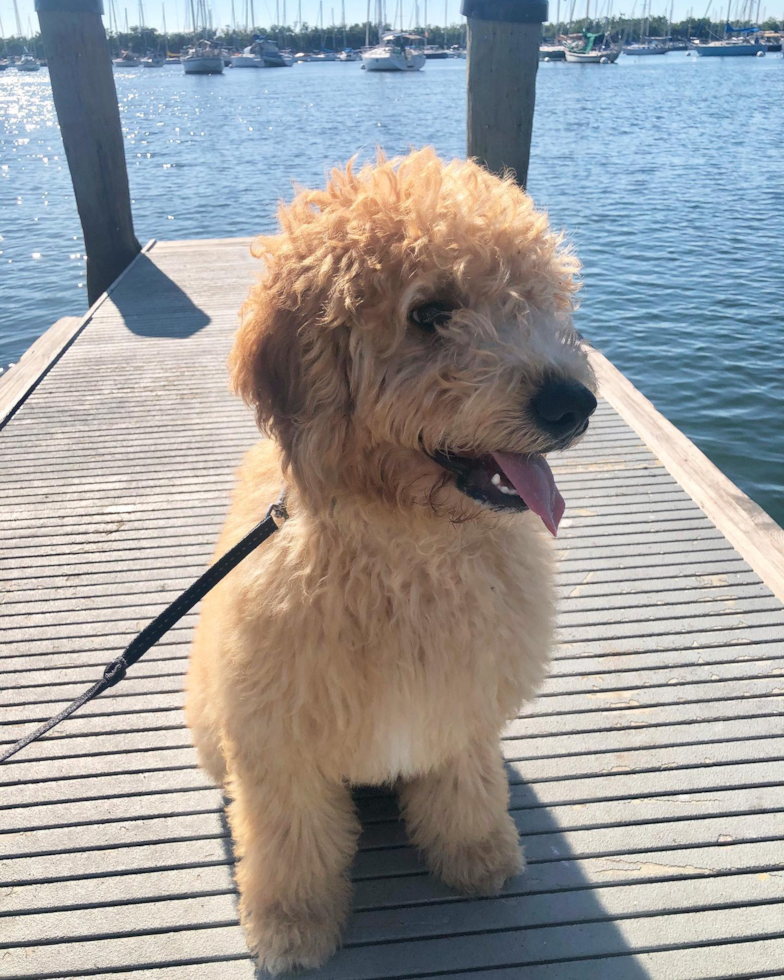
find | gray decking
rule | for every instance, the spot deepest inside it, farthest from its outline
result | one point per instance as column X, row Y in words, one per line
column 647, row 780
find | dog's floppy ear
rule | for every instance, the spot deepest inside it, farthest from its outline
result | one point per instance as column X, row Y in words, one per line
column 292, row 368
column 266, row 363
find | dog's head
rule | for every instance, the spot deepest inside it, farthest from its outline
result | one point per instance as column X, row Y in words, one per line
column 411, row 339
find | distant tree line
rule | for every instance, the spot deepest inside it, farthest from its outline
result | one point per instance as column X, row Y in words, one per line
column 630, row 30
column 307, row 38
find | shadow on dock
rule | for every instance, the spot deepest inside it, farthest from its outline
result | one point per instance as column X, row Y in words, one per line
column 405, row 922
column 153, row 305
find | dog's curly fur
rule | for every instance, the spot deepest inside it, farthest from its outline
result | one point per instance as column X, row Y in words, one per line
column 393, row 624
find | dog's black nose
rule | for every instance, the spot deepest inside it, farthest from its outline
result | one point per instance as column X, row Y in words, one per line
column 560, row 407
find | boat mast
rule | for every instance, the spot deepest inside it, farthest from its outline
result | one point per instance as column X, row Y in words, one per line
column 166, row 33
column 367, row 26
column 18, row 22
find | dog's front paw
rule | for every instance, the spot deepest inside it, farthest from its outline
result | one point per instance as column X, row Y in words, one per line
column 294, row 937
column 480, row 867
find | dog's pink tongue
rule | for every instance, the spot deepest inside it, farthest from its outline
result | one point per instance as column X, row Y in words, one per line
column 533, row 479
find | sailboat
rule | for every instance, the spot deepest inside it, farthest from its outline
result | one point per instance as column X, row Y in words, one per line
column 596, row 49
column 204, row 58
column 733, row 46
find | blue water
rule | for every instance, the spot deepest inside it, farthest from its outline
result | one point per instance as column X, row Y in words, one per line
column 666, row 172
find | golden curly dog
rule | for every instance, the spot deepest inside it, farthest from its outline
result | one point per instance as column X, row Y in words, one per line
column 409, row 351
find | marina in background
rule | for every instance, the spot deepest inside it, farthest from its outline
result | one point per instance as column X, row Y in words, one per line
column 658, row 205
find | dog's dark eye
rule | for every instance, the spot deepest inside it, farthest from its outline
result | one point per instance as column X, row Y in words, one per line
column 431, row 315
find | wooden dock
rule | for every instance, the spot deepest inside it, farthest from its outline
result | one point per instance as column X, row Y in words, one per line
column 647, row 780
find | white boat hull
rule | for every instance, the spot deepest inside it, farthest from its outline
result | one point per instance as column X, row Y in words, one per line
column 393, row 62
column 120, row 63
column 203, row 65
column 247, row 61
column 28, row 67
column 593, row 58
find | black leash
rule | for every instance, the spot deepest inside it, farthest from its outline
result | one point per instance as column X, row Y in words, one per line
column 115, row 671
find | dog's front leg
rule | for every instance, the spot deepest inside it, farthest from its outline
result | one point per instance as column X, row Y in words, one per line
column 295, row 834
column 457, row 815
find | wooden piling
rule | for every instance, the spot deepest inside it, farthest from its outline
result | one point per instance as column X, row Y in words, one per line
column 503, row 57
column 85, row 98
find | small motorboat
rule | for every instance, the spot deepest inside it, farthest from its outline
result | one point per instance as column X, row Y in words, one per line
column 397, row 52
column 127, row 59
column 27, row 62
column 154, row 60
column 261, row 53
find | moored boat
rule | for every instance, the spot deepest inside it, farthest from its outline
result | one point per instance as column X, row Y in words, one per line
column 644, row 48
column 349, row 54
column 27, row 62
column 204, row 58
column 600, row 56
column 262, row 53
column 729, row 49
column 552, row 52
column 397, row 52
column 590, row 49
column 154, row 60
column 127, row 59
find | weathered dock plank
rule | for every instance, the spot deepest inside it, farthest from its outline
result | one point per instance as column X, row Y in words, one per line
column 647, row 780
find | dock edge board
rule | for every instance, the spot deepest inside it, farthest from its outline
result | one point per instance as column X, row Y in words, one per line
column 749, row 529
column 21, row 380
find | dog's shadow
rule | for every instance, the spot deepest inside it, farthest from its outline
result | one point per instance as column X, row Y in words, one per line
column 406, row 923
